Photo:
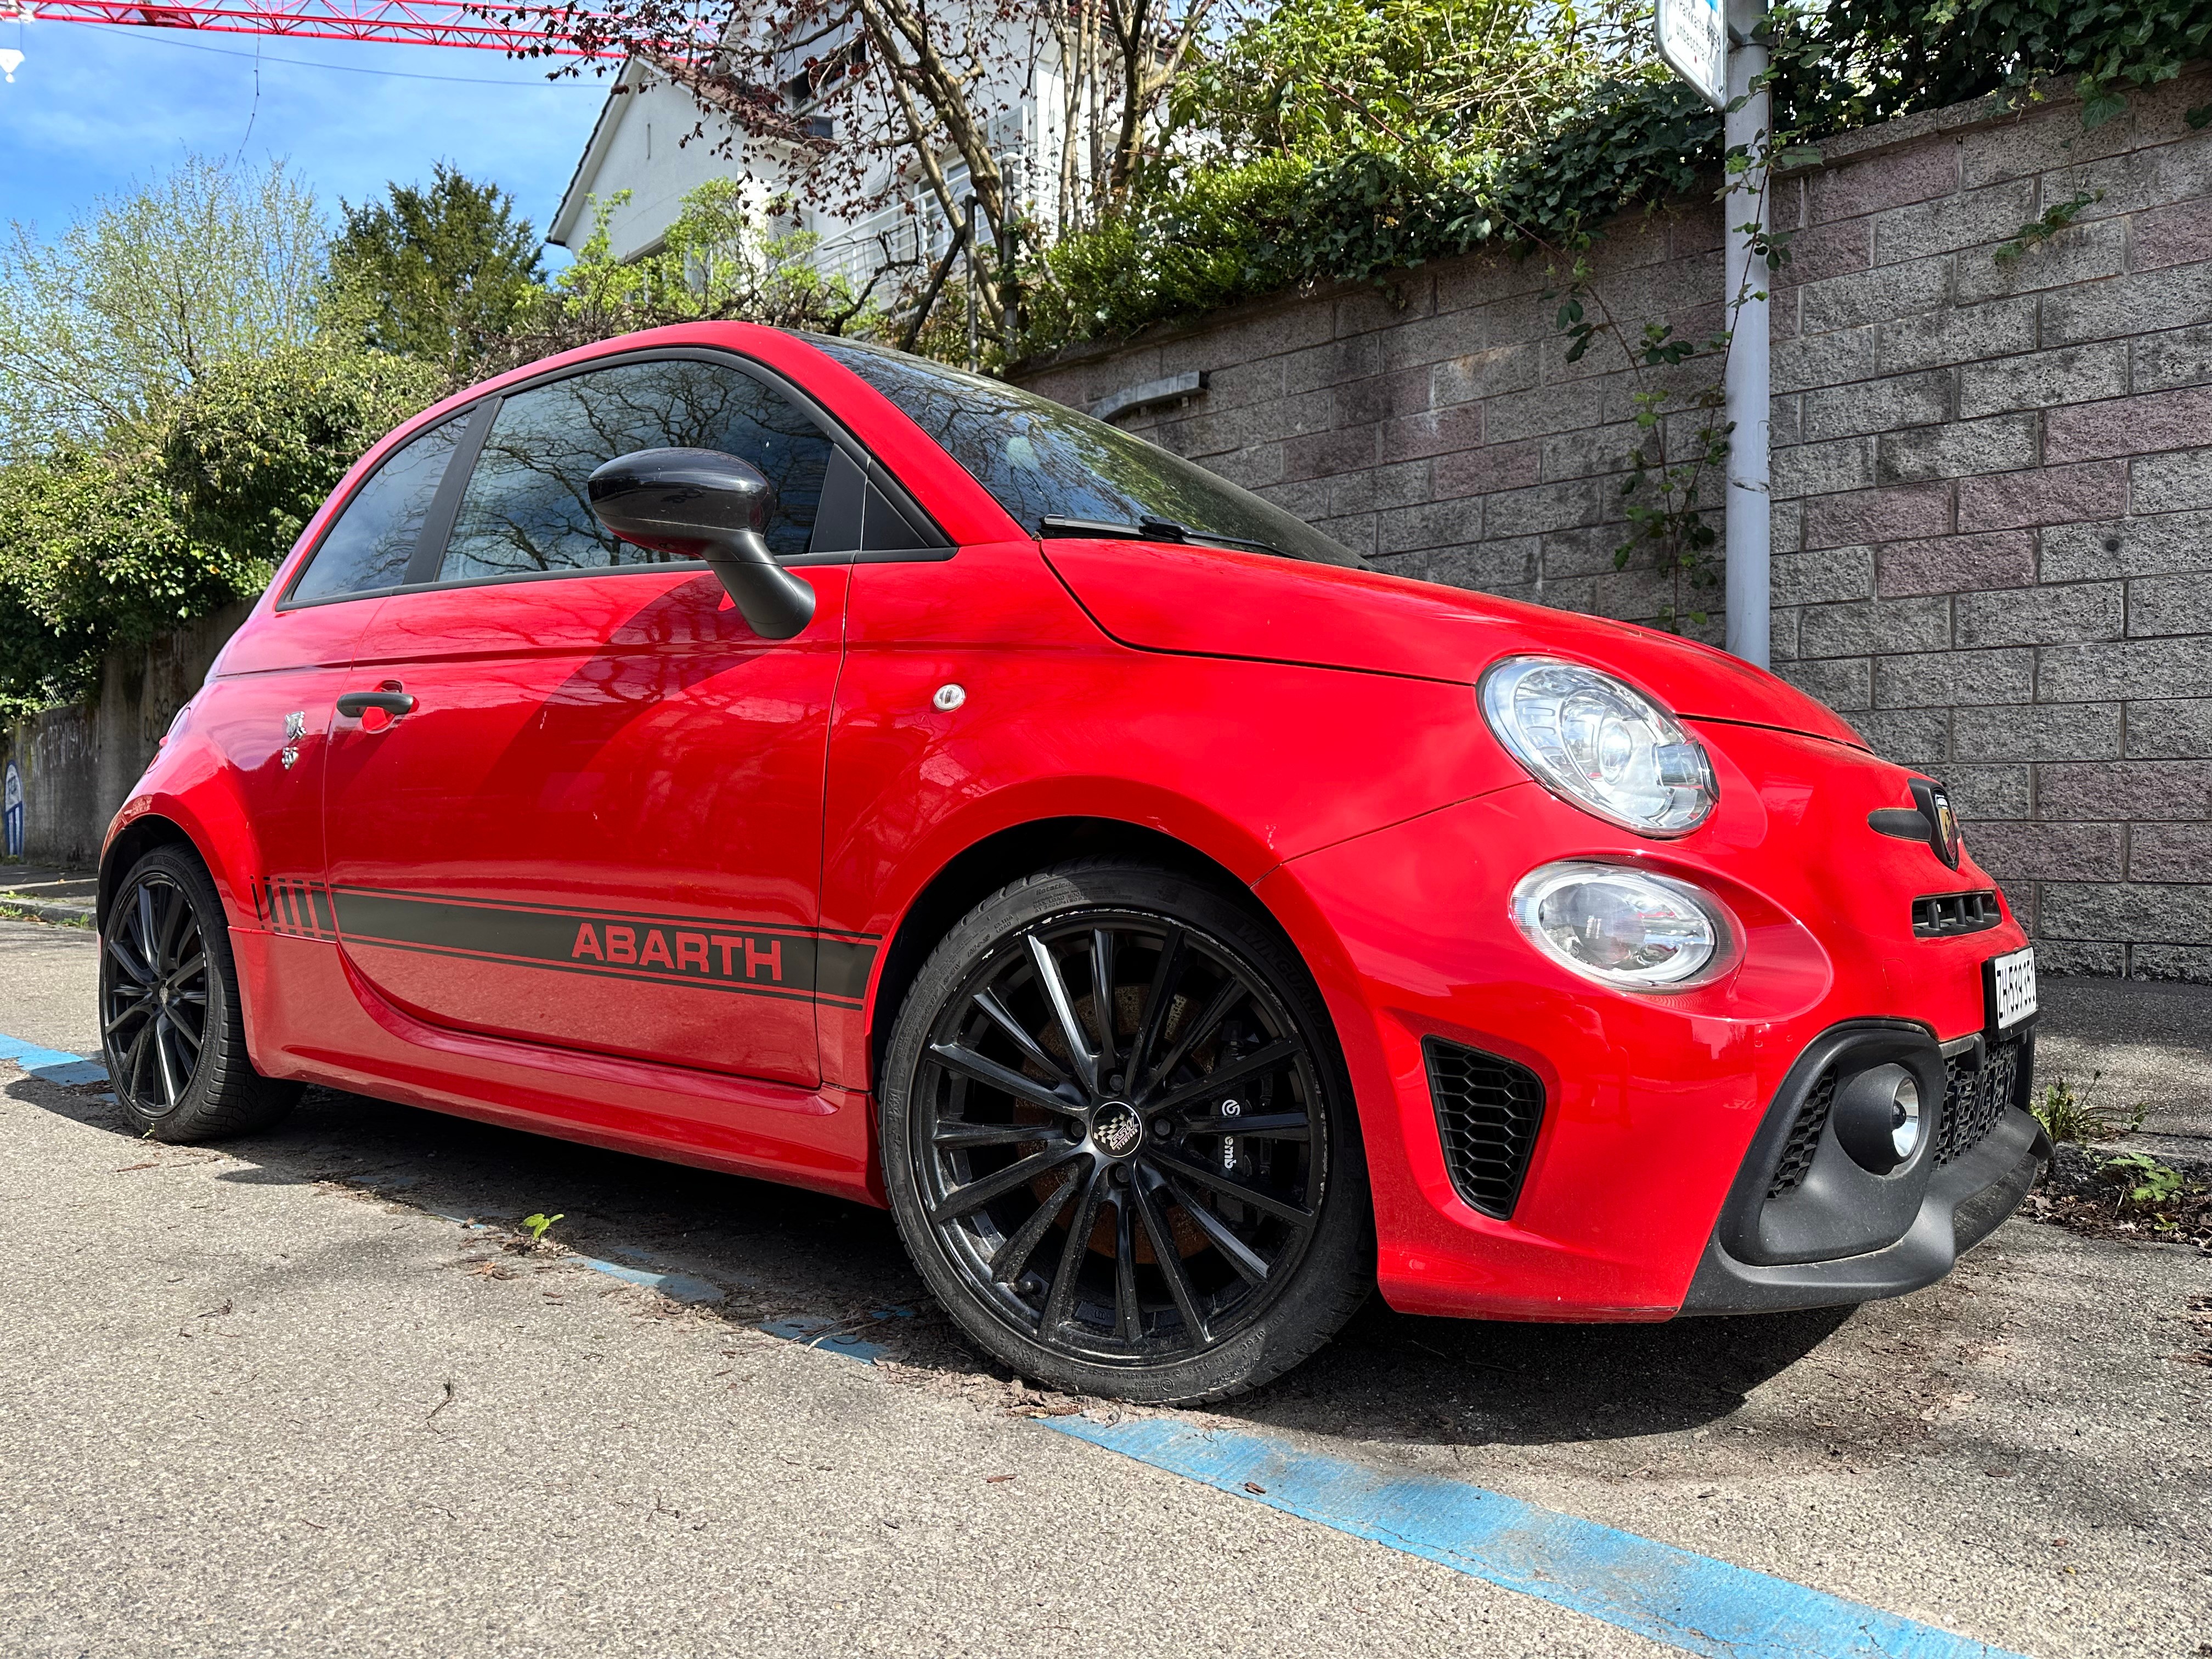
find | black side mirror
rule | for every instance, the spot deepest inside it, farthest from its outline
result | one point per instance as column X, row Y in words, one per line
column 702, row 504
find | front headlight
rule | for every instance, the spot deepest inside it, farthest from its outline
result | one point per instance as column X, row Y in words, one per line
column 1600, row 743
column 1623, row 928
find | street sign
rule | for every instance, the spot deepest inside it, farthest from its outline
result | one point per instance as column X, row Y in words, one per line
column 1693, row 40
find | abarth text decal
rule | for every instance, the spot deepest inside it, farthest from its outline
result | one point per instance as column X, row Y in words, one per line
column 693, row 951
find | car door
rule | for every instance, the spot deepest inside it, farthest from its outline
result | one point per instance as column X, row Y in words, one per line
column 595, row 821
column 268, row 706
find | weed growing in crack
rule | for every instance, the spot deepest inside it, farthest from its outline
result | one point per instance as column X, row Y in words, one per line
column 2066, row 1115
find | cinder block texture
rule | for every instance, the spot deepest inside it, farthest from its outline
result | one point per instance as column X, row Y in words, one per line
column 1992, row 478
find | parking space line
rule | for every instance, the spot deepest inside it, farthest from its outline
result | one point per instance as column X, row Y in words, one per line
column 1694, row 1602
column 1673, row 1596
column 677, row 1287
column 51, row 1065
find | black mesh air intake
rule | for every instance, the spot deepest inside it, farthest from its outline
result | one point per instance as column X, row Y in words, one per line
column 1487, row 1111
column 1977, row 1096
column 1804, row 1137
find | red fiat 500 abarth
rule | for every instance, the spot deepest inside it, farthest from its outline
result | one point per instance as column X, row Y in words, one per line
column 792, row 757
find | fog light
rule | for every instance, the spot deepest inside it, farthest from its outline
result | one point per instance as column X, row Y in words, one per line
column 1877, row 1118
column 1624, row 927
column 1904, row 1119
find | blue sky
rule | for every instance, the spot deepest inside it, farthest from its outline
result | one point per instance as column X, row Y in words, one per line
column 95, row 107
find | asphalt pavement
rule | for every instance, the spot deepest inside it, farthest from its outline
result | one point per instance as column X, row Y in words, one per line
column 306, row 1393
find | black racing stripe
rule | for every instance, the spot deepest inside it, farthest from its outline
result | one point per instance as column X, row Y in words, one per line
column 586, row 913
column 736, row 988
column 843, row 967
column 691, row 952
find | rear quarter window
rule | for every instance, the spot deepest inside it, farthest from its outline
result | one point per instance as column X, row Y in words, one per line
column 368, row 547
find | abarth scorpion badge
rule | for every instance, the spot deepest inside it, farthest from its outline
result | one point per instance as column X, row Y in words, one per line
column 295, row 727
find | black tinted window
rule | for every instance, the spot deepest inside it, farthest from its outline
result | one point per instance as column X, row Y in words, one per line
column 369, row 545
column 526, row 508
column 1043, row 460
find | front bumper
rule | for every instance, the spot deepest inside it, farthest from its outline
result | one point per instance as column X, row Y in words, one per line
column 1965, row 1203
column 1647, row 1109
column 1815, row 1229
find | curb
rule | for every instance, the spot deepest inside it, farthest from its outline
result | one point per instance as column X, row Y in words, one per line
column 64, row 915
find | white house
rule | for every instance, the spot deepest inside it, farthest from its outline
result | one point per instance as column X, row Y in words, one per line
column 638, row 145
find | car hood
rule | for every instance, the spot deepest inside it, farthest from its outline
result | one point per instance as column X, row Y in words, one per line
column 1216, row 602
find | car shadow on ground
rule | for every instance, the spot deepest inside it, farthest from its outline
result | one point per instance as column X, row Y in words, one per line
column 779, row 1253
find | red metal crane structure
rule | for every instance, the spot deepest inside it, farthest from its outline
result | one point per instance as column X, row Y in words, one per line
column 517, row 29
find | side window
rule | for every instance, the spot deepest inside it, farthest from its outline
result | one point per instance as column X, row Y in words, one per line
column 526, row 508
column 369, row 547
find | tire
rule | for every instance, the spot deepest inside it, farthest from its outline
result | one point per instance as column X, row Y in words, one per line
column 1170, row 1211
column 172, row 1024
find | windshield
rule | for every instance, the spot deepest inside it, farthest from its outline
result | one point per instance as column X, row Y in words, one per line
column 1042, row 461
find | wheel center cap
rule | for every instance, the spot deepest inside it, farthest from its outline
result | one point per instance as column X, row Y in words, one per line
column 1116, row 1129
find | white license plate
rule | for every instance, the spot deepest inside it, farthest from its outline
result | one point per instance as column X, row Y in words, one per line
column 2011, row 982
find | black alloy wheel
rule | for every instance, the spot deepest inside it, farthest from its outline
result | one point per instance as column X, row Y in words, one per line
column 153, row 996
column 169, row 1014
column 1125, row 1154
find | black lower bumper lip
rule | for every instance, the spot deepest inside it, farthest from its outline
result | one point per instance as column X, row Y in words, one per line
column 1966, row 1201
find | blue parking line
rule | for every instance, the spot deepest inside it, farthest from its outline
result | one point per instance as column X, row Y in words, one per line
column 810, row 1331
column 677, row 1287
column 1687, row 1601
column 51, row 1065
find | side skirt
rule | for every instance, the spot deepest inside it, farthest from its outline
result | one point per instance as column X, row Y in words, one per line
column 310, row 1017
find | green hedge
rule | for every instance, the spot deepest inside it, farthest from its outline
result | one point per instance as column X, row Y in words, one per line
column 1231, row 233
column 101, row 548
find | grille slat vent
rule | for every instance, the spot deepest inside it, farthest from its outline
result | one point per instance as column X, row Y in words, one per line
column 1488, row 1113
column 1804, row 1137
column 1975, row 1098
column 1942, row 915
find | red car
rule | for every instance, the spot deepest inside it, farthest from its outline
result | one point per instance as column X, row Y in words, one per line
column 788, row 756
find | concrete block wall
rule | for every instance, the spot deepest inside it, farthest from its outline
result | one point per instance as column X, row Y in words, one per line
column 1992, row 479
column 78, row 765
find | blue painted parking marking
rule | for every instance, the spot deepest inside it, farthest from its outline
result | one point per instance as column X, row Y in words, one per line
column 677, row 1287
column 1686, row 1601
column 1677, row 1597
column 51, row 1065
column 811, row 1331
column 1673, row 1596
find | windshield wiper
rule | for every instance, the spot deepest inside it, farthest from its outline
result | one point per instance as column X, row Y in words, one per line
column 1151, row 530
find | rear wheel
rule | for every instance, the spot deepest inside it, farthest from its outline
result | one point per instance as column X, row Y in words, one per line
column 1118, row 1139
column 171, row 1021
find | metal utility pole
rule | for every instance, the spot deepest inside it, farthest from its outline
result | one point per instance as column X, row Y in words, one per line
column 1746, row 384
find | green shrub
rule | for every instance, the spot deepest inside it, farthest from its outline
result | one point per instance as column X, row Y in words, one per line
column 106, row 548
column 254, row 449
column 1231, row 233
column 1224, row 233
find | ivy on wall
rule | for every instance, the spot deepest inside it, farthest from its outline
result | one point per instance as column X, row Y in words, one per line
column 1227, row 233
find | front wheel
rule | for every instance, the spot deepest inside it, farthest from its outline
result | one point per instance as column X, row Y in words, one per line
column 170, row 1019
column 1118, row 1139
